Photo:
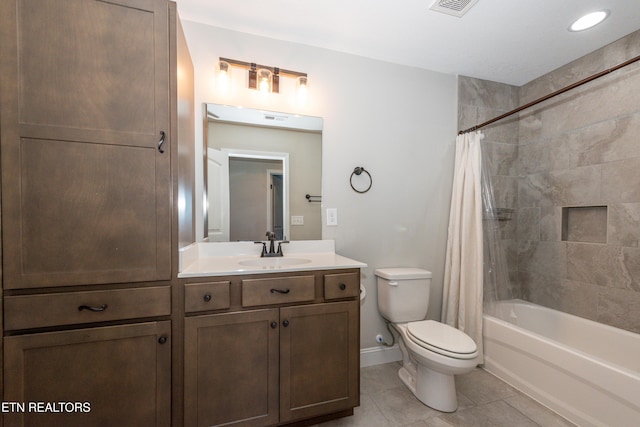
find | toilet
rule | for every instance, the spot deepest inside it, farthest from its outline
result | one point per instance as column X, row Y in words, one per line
column 432, row 352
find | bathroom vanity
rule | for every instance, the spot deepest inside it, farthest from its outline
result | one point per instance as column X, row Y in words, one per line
column 272, row 343
column 104, row 320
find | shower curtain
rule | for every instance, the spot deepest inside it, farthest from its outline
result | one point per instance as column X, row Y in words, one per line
column 463, row 278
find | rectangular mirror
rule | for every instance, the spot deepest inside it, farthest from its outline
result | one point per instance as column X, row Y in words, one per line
column 262, row 172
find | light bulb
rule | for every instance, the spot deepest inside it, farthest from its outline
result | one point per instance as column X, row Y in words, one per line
column 302, row 89
column 264, row 81
column 264, row 84
column 223, row 75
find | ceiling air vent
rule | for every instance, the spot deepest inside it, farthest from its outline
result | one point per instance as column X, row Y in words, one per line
column 453, row 7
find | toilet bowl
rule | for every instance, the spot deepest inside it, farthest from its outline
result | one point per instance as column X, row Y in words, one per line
column 429, row 373
column 432, row 352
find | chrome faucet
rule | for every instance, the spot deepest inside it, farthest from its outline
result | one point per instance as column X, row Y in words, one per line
column 271, row 236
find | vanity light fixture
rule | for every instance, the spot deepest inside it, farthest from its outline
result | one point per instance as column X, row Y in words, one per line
column 589, row 20
column 264, row 77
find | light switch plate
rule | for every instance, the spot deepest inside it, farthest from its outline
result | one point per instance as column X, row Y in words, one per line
column 297, row 220
column 332, row 216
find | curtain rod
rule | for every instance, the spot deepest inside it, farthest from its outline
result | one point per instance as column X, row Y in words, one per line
column 551, row 95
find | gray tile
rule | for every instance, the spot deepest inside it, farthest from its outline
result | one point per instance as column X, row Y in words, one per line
column 551, row 223
column 367, row 414
column 603, row 265
column 494, row 414
column 537, row 412
column 621, row 181
column 417, row 424
column 577, row 298
column 607, row 141
column 533, row 190
column 529, row 224
column 623, row 227
column 505, row 191
column 577, row 187
column 378, row 378
column 497, row 96
column 501, row 158
column 482, row 401
column 544, row 258
column 631, row 263
column 481, row 387
column 540, row 289
column 619, row 308
column 610, row 98
column 400, row 407
column 467, row 116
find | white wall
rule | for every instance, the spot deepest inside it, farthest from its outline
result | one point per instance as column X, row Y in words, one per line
column 397, row 122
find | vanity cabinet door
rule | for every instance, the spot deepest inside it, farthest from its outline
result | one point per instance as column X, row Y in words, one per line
column 84, row 100
column 231, row 369
column 112, row 376
column 319, row 359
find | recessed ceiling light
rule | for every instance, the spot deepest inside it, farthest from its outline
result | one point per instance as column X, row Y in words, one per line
column 589, row 20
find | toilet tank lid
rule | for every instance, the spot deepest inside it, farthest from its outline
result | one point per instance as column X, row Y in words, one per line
column 399, row 273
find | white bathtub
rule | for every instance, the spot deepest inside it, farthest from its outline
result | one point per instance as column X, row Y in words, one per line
column 585, row 371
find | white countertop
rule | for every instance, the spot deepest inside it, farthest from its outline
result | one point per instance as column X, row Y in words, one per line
column 231, row 258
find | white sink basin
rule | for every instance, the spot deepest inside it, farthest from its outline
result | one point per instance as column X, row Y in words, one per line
column 273, row 262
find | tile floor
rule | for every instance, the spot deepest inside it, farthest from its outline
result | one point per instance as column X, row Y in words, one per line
column 483, row 401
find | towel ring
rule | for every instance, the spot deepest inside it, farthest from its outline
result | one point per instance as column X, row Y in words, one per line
column 358, row 171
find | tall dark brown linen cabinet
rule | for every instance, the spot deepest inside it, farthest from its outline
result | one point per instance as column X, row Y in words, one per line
column 89, row 157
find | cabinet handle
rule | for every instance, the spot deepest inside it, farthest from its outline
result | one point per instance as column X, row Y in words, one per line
column 280, row 291
column 285, row 323
column 103, row 307
column 343, row 286
column 161, row 142
column 207, row 297
column 162, row 340
column 274, row 325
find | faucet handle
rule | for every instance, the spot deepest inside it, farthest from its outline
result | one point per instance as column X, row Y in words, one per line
column 280, row 246
column 264, row 248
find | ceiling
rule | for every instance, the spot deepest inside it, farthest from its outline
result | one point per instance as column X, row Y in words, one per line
column 508, row 41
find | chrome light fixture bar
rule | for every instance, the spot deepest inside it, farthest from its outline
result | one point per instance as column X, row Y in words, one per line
column 264, row 77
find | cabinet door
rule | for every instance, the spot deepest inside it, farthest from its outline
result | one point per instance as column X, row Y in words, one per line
column 231, row 369
column 86, row 192
column 319, row 359
column 123, row 373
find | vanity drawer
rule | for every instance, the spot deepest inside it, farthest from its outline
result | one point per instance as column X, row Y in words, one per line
column 69, row 308
column 280, row 290
column 343, row 285
column 206, row 296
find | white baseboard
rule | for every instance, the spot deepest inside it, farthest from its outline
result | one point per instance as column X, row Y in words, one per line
column 378, row 355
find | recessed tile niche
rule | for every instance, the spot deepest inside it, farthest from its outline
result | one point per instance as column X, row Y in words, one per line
column 586, row 224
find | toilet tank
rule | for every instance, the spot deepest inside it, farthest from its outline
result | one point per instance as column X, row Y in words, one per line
column 403, row 293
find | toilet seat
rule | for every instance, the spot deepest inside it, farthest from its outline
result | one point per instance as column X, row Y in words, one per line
column 442, row 339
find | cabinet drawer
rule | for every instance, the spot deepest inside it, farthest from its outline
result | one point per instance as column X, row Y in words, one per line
column 278, row 290
column 345, row 285
column 53, row 309
column 206, row 296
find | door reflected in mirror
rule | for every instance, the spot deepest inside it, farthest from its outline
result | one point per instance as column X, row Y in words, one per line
column 259, row 168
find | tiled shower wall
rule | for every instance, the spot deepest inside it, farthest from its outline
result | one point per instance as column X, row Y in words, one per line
column 575, row 166
column 479, row 101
